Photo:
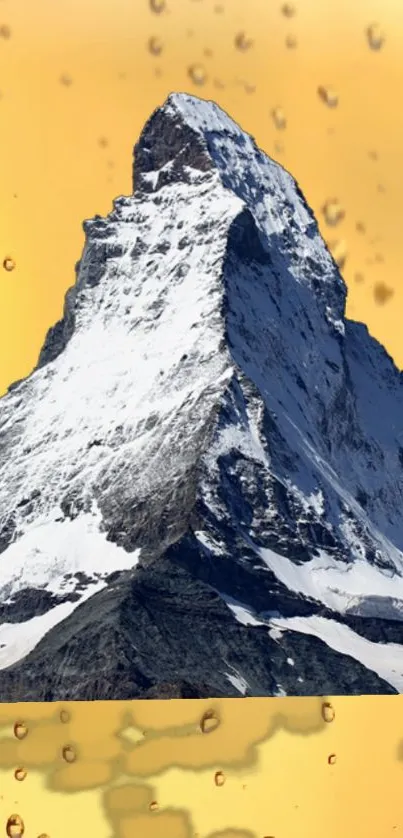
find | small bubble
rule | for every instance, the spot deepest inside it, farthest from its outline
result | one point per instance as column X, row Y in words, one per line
column 43, row 835
column 359, row 277
column 15, row 826
column 153, row 806
column 8, row 263
column 219, row 84
column 291, row 42
column 219, row 778
column 338, row 249
column 333, row 212
column 207, row 52
column 279, row 148
column 381, row 188
column 278, row 118
column 288, row 10
column 242, row 42
column 209, row 721
column 5, row 31
column 197, row 73
column 375, row 36
column 157, row 6
column 20, row 730
column 103, row 142
column 64, row 716
column 382, row 293
column 373, row 155
column 328, row 96
column 155, row 46
column 331, row 759
column 219, row 9
column 69, row 754
column 328, row 713
column 249, row 88
column 360, row 227
column 20, row 774
column 66, row 80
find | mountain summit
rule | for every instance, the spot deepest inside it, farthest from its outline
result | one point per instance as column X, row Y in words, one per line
column 201, row 483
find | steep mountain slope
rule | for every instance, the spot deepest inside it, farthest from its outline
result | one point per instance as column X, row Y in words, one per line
column 201, row 483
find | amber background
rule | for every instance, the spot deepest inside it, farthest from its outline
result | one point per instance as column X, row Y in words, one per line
column 77, row 82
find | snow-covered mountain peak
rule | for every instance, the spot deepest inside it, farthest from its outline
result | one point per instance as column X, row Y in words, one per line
column 188, row 135
column 206, row 441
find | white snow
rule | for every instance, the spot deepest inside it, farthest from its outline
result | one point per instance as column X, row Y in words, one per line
column 52, row 550
column 19, row 639
column 341, row 586
column 386, row 659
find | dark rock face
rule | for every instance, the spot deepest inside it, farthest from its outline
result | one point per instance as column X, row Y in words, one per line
column 279, row 449
column 164, row 632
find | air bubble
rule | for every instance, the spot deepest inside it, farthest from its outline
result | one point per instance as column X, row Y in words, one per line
column 15, row 826
column 338, row 249
column 20, row 774
column 333, row 212
column 288, row 10
column 242, row 42
column 219, row 778
column 209, row 722
column 69, row 754
column 331, row 759
column 64, row 716
column 197, row 73
column 382, row 293
column 375, row 36
column 328, row 713
column 20, row 730
column 153, row 806
column 328, row 96
column 155, row 46
column 8, row 263
column 279, row 119
column 66, row 80
column 157, row 6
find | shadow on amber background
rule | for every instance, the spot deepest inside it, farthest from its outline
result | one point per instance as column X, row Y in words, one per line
column 235, row 768
column 318, row 85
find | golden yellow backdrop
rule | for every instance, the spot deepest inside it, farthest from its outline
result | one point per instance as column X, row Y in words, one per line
column 271, row 768
column 321, row 93
column 78, row 78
